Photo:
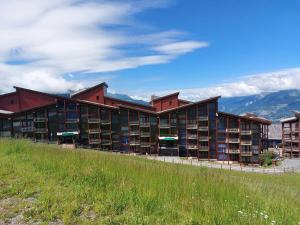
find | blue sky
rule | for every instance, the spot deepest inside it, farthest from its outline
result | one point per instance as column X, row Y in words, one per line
column 201, row 48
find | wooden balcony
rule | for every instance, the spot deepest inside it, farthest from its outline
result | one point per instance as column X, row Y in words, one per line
column 192, row 147
column 105, row 122
column 41, row 130
column 192, row 126
column 134, row 143
column 232, row 130
column 192, row 136
column 134, row 123
column 203, row 118
column 203, row 138
column 233, row 151
column 233, row 140
column 164, row 126
column 203, row 128
column 94, row 131
column 246, row 132
column 144, row 124
column 134, row 132
column 105, row 133
column 95, row 141
column 68, row 120
column 203, row 148
column 246, row 153
column 93, row 120
column 145, row 144
column 145, row 134
column 28, row 129
column 40, row 119
column 244, row 142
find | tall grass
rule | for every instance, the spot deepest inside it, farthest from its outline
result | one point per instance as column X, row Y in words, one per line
column 90, row 187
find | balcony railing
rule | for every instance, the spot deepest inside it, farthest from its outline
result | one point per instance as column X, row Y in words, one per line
column 246, row 132
column 27, row 129
column 93, row 120
column 41, row 130
column 203, row 148
column 192, row 126
column 134, row 123
column 94, row 141
column 94, row 131
column 145, row 134
column 203, row 128
column 233, row 130
column 68, row 120
column 144, row 124
column 106, row 142
column 192, row 147
column 233, row 140
column 192, row 136
column 40, row 119
column 145, row 144
column 244, row 142
column 134, row 132
column 134, row 143
column 246, row 153
column 164, row 125
column 105, row 122
column 203, row 138
column 233, row 151
column 105, row 132
column 203, row 118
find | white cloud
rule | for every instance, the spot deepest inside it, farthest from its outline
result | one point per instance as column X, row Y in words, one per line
column 247, row 85
column 60, row 37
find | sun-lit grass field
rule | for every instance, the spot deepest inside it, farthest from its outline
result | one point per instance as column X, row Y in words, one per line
column 47, row 183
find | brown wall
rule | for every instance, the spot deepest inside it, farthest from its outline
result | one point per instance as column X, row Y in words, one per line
column 10, row 102
column 93, row 95
column 169, row 102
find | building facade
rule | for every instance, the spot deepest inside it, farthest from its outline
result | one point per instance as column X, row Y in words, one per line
column 290, row 136
column 166, row 126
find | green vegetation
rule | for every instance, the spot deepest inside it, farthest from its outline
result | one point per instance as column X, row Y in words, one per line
column 47, row 183
column 266, row 158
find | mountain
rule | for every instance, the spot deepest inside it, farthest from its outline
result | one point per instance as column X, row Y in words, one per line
column 127, row 98
column 273, row 106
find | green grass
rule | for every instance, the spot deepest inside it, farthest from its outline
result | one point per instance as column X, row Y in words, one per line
column 91, row 187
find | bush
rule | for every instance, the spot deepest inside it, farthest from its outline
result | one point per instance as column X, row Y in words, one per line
column 266, row 158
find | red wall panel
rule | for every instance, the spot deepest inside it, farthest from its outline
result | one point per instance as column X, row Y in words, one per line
column 10, row 102
column 93, row 95
column 29, row 99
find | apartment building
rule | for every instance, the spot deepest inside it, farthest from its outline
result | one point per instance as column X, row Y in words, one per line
column 166, row 126
column 290, row 136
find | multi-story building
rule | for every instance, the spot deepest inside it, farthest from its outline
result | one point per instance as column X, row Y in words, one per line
column 166, row 126
column 241, row 138
column 290, row 136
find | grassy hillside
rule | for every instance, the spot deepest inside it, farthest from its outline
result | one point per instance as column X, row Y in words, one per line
column 47, row 183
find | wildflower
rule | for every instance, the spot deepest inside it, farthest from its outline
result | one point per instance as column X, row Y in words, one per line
column 266, row 216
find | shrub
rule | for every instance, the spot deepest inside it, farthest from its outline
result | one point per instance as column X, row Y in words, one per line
column 266, row 158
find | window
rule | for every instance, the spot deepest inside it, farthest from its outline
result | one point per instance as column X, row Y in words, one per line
column 11, row 102
column 97, row 97
column 170, row 102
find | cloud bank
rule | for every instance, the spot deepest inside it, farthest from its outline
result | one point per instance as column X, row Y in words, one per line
column 247, row 85
column 43, row 40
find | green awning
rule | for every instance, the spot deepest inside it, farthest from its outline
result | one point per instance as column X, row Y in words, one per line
column 67, row 134
column 168, row 138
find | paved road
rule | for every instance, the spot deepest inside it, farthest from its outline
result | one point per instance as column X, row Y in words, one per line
column 295, row 163
column 288, row 167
